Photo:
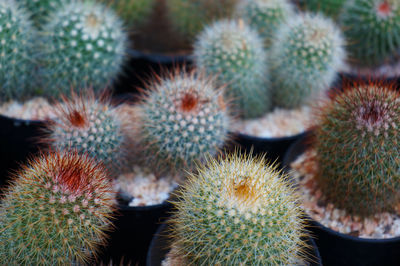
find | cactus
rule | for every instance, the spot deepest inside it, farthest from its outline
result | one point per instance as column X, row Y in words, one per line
column 183, row 117
column 357, row 144
column 16, row 57
column 305, row 58
column 238, row 211
column 55, row 212
column 265, row 15
column 189, row 17
column 331, row 8
column 41, row 9
column 90, row 126
column 83, row 45
column 134, row 12
column 372, row 28
column 234, row 53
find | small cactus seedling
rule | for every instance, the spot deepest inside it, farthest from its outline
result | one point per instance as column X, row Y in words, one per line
column 265, row 15
column 238, row 211
column 357, row 143
column 190, row 16
column 90, row 126
column 16, row 57
column 372, row 28
column 134, row 12
column 83, row 45
column 234, row 53
column 41, row 9
column 331, row 8
column 55, row 212
column 305, row 58
column 183, row 117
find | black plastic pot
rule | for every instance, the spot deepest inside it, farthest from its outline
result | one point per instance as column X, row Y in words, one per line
column 341, row 249
column 159, row 248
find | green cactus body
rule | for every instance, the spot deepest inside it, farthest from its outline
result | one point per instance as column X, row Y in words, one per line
column 134, row 12
column 83, row 46
column 190, row 16
column 357, row 144
column 234, row 53
column 90, row 126
column 183, row 118
column 16, row 57
column 238, row 211
column 305, row 59
column 41, row 9
column 331, row 8
column 372, row 29
column 265, row 15
column 55, row 212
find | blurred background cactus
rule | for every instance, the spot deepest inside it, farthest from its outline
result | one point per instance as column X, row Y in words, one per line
column 372, row 28
column 265, row 15
column 238, row 211
column 357, row 142
column 234, row 53
column 40, row 10
column 17, row 59
column 83, row 45
column 330, row 8
column 305, row 58
column 55, row 212
column 182, row 118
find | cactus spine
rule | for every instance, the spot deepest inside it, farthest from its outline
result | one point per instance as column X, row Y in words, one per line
column 234, row 53
column 183, row 117
column 305, row 59
column 16, row 57
column 238, row 211
column 41, row 9
column 357, row 145
column 83, row 46
column 265, row 15
column 56, row 211
column 372, row 29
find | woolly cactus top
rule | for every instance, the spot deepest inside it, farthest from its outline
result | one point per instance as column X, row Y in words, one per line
column 41, row 9
column 55, row 212
column 357, row 145
column 238, row 211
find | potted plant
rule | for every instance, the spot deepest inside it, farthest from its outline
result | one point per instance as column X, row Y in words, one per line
column 349, row 175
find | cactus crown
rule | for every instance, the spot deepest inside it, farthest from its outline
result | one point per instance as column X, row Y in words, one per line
column 357, row 145
column 239, row 210
column 55, row 212
column 16, row 56
column 305, row 58
column 372, row 29
column 183, row 117
column 83, row 46
column 90, row 126
column 234, row 52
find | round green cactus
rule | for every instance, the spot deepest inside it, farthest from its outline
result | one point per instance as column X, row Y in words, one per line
column 372, row 29
column 90, row 126
column 331, row 8
column 56, row 211
column 41, row 9
column 190, row 16
column 16, row 57
column 357, row 144
column 305, row 58
column 83, row 45
column 183, row 117
column 265, row 15
column 238, row 211
column 234, row 53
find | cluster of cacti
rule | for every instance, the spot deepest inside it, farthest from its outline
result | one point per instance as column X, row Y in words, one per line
column 238, row 211
column 83, row 46
column 41, row 9
column 305, row 58
column 182, row 118
column 134, row 12
column 55, row 212
column 372, row 29
column 357, row 144
column 90, row 126
column 190, row 16
column 16, row 55
column 234, row 52
column 331, row 8
column 265, row 15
